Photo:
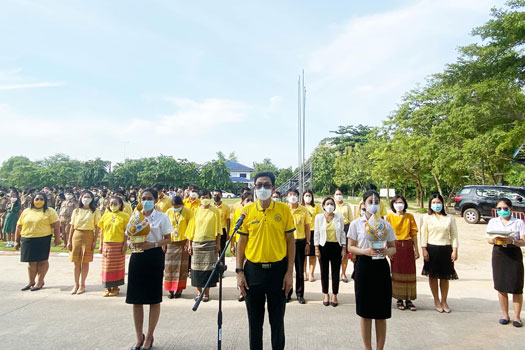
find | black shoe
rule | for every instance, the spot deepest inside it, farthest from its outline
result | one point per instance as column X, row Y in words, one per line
column 28, row 287
column 301, row 300
column 240, row 298
column 171, row 296
column 517, row 324
column 139, row 347
column 34, row 289
column 288, row 299
column 150, row 346
column 326, row 303
column 334, row 304
column 503, row 321
column 177, row 295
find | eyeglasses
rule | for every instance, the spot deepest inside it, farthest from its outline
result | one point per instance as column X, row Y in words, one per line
column 266, row 185
column 504, row 208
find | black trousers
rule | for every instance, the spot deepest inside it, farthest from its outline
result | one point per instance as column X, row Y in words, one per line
column 330, row 255
column 300, row 246
column 223, row 245
column 265, row 285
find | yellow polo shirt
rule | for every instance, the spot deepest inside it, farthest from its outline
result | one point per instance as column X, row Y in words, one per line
column 192, row 205
column 85, row 219
column 35, row 223
column 205, row 225
column 237, row 205
column 344, row 209
column 113, row 226
column 163, row 204
column 225, row 211
column 180, row 222
column 301, row 217
column 266, row 231
column 313, row 212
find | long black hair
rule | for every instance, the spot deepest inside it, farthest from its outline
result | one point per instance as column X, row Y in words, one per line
column 311, row 193
column 92, row 205
column 438, row 196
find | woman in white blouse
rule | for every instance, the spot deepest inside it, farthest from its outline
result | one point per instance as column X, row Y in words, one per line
column 373, row 283
column 507, row 259
column 439, row 243
column 330, row 247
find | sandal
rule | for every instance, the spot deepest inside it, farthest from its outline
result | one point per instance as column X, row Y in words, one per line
column 410, row 305
column 400, row 305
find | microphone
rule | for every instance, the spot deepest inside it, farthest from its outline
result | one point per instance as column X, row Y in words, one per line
column 239, row 222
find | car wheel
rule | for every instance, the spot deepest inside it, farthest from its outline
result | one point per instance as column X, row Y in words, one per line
column 471, row 215
column 228, row 196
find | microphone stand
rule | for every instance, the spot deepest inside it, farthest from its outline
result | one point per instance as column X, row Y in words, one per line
column 218, row 268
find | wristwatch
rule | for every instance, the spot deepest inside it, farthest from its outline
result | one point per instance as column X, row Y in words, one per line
column 237, row 270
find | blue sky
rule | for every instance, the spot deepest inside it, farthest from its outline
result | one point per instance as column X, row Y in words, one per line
column 129, row 79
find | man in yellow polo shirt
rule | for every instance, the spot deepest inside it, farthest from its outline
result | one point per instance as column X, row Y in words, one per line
column 164, row 202
column 302, row 220
column 267, row 243
column 225, row 211
column 193, row 201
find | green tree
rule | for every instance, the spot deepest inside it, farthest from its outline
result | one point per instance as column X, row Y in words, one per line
column 284, row 175
column 266, row 165
column 215, row 174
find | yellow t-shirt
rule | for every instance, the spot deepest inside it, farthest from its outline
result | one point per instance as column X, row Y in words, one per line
column 266, row 231
column 85, row 219
column 225, row 212
column 192, row 205
column 404, row 226
column 205, row 225
column 164, row 204
column 180, row 222
column 313, row 212
column 301, row 218
column 113, row 226
column 35, row 223
column 345, row 210
column 331, row 235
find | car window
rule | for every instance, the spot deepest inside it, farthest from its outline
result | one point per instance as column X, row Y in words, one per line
column 506, row 193
column 487, row 192
column 464, row 191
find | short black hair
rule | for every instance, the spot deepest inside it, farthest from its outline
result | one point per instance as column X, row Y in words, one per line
column 204, row 192
column 217, row 190
column 370, row 193
column 292, row 190
column 158, row 187
column 506, row 201
column 246, row 195
column 265, row 174
column 396, row 197
column 277, row 193
column 153, row 192
column 327, row 199
column 44, row 208
column 438, row 196
column 245, row 189
column 177, row 200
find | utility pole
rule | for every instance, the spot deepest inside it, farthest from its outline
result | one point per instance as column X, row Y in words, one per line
column 301, row 120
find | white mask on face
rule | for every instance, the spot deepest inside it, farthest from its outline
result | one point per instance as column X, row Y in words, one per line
column 372, row 208
column 194, row 195
column 329, row 208
column 86, row 200
column 69, row 196
column 338, row 197
column 263, row 193
column 248, row 203
column 276, row 199
column 293, row 199
column 308, row 199
column 399, row 207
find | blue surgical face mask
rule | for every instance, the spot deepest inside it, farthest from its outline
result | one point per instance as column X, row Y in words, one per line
column 436, row 207
column 177, row 210
column 148, row 205
column 503, row 213
column 363, row 212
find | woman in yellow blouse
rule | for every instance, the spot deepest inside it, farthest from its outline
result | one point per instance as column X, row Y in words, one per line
column 176, row 264
column 314, row 209
column 83, row 239
column 34, row 229
column 204, row 243
column 404, row 261
column 113, row 245
column 345, row 210
column 439, row 244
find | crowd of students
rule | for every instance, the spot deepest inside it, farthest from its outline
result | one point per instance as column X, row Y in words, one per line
column 188, row 228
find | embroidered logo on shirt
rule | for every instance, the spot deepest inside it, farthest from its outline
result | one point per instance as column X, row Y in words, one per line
column 278, row 218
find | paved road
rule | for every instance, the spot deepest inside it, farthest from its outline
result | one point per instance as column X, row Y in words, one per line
column 53, row 319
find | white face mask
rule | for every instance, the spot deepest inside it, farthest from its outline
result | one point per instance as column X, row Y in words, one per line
column 263, row 193
column 194, row 195
column 372, row 208
column 86, row 200
column 69, row 196
column 308, row 199
column 277, row 199
column 399, row 207
column 293, row 199
column 329, row 208
column 248, row 203
column 338, row 197
column 13, row 199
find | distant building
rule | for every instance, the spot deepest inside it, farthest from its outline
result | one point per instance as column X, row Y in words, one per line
column 239, row 173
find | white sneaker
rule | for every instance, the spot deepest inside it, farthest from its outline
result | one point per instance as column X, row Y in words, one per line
column 9, row 245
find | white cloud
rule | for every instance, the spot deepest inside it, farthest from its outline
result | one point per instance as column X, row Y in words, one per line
column 30, row 85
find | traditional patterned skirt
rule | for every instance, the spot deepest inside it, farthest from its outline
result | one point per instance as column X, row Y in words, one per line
column 82, row 246
column 176, row 267
column 202, row 263
column 404, row 271
column 113, row 265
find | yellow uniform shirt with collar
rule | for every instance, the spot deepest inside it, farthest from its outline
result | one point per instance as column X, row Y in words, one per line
column 404, row 226
column 237, row 205
column 192, row 205
column 331, row 235
column 180, row 222
column 85, row 219
column 225, row 212
column 313, row 211
column 301, row 217
column 113, row 226
column 163, row 204
column 236, row 215
column 266, row 231
column 205, row 225
column 37, row 223
column 345, row 210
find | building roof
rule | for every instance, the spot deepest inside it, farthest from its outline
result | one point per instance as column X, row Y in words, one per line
column 237, row 167
column 240, row 179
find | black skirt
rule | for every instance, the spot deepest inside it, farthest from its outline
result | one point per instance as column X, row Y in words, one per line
column 35, row 249
column 312, row 246
column 373, row 288
column 145, row 275
column 439, row 264
column 507, row 269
